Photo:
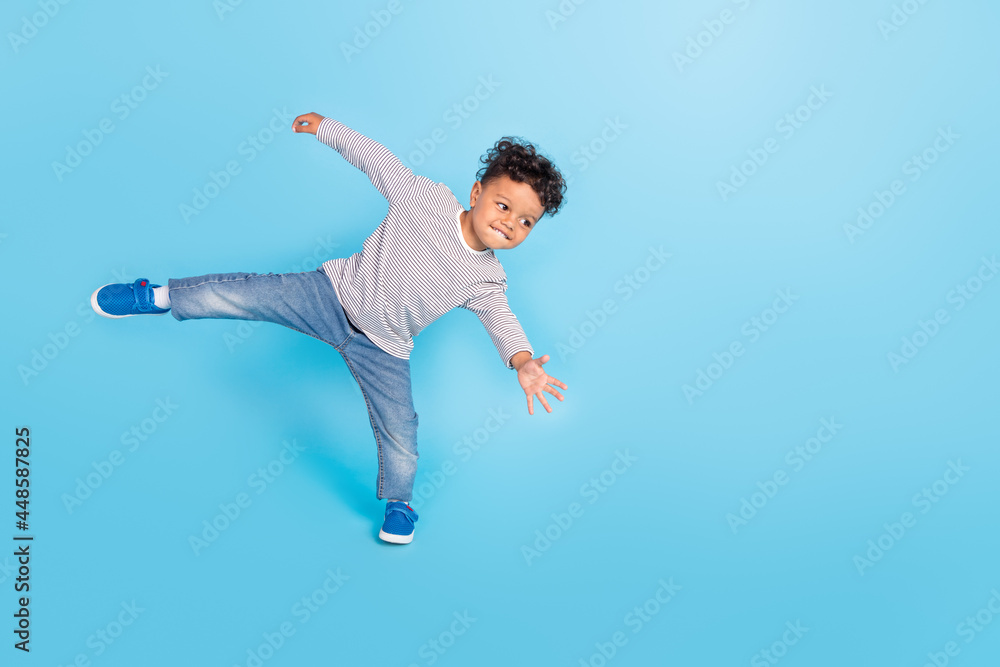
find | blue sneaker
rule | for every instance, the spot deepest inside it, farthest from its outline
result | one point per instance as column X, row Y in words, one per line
column 125, row 299
column 398, row 525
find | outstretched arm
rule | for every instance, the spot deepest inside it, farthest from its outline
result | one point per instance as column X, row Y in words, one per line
column 387, row 173
column 490, row 304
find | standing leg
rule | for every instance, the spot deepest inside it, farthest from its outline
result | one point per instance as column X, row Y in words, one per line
column 385, row 385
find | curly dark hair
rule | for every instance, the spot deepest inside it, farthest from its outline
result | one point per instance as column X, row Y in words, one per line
column 520, row 161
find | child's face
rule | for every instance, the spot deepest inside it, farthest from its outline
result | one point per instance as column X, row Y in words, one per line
column 506, row 205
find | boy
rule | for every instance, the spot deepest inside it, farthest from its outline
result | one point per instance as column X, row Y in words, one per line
column 428, row 256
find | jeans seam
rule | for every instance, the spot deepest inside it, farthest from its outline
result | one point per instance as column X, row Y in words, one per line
column 371, row 417
column 205, row 282
column 311, row 335
column 340, row 348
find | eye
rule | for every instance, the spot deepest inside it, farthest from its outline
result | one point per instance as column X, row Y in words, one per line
column 504, row 206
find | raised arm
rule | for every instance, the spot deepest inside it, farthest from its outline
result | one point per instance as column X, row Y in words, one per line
column 387, row 173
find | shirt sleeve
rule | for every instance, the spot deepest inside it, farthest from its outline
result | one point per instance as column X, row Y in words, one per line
column 387, row 173
column 490, row 304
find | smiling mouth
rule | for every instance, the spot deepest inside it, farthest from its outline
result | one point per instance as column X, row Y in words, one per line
column 499, row 232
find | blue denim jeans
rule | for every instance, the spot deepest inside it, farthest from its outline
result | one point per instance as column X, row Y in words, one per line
column 307, row 302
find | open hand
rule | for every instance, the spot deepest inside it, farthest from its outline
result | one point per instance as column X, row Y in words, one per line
column 307, row 122
column 534, row 381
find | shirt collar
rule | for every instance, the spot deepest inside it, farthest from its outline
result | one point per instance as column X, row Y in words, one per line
column 461, row 237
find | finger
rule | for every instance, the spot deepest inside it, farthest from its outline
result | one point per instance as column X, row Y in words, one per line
column 543, row 359
column 554, row 393
column 558, row 383
column 531, row 409
column 541, row 398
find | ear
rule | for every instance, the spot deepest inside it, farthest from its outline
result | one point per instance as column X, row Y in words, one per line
column 477, row 189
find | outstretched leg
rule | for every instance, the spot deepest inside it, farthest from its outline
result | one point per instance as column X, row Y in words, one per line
column 304, row 302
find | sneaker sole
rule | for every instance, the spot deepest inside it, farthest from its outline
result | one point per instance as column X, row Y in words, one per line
column 395, row 539
column 99, row 311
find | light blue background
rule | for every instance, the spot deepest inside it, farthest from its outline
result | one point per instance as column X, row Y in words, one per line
column 654, row 185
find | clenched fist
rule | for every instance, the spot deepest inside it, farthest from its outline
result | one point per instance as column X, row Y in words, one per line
column 307, row 122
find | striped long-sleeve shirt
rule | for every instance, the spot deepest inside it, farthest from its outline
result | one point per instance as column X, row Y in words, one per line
column 416, row 265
